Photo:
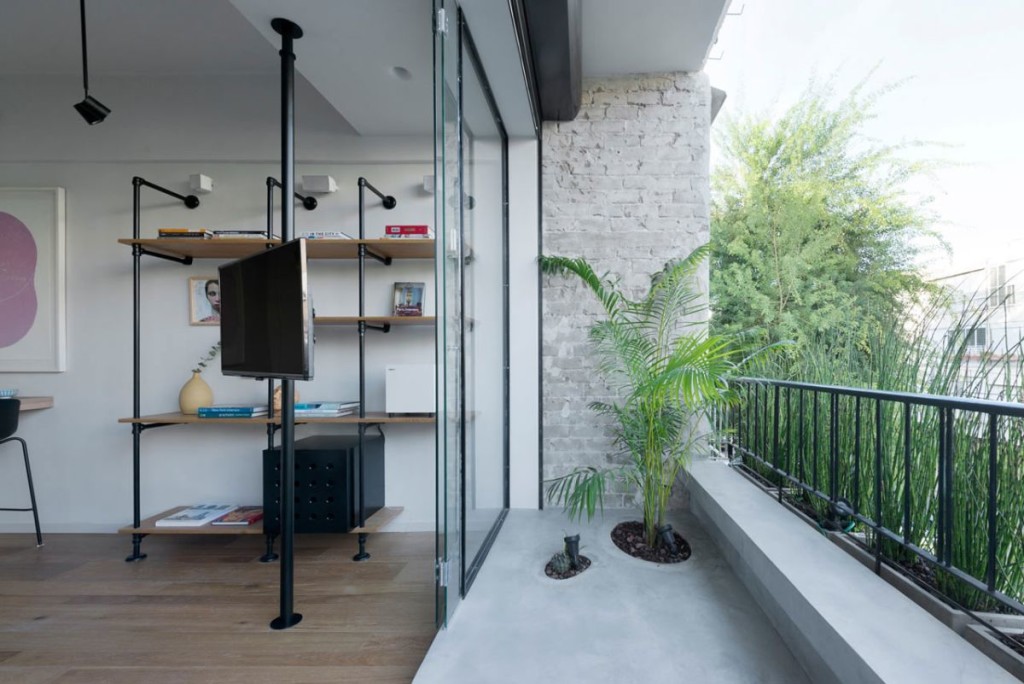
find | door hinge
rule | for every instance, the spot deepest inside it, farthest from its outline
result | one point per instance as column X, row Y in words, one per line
column 442, row 21
column 441, row 572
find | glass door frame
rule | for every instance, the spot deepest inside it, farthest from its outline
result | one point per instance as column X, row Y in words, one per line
column 467, row 47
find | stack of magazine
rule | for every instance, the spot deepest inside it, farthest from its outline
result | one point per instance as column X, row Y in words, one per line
column 325, row 409
column 231, row 411
column 215, row 514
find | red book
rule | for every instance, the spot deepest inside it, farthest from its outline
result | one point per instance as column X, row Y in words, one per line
column 406, row 230
column 243, row 516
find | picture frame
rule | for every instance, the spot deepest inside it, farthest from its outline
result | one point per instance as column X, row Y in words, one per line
column 408, row 299
column 33, row 337
column 204, row 300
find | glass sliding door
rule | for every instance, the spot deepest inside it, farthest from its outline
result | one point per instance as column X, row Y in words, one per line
column 447, row 193
column 471, row 228
column 483, row 148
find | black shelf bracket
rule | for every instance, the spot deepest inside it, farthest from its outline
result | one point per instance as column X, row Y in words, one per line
column 142, row 427
column 181, row 260
column 383, row 328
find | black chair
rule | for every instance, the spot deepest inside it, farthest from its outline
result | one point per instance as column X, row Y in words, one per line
column 9, row 410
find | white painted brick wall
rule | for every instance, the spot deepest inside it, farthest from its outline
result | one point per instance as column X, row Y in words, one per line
column 625, row 185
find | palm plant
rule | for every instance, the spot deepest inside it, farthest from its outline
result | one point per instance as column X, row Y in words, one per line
column 668, row 373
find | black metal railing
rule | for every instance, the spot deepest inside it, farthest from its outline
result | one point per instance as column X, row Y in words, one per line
column 934, row 481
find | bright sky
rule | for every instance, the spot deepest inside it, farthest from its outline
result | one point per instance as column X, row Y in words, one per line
column 966, row 91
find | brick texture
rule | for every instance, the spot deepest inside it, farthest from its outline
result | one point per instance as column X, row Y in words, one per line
column 626, row 186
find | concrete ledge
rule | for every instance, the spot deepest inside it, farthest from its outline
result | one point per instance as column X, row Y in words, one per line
column 842, row 622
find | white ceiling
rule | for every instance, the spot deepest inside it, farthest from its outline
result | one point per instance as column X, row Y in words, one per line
column 647, row 36
column 349, row 49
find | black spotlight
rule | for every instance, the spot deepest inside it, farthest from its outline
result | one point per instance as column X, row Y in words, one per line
column 91, row 109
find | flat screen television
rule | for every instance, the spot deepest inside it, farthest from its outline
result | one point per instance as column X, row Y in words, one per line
column 266, row 322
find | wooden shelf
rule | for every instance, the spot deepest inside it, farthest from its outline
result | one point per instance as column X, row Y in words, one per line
column 148, row 526
column 371, row 417
column 375, row 320
column 233, row 248
column 35, row 403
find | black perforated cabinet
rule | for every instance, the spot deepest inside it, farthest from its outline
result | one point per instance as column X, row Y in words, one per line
column 326, row 483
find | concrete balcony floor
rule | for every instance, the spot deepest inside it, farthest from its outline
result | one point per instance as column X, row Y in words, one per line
column 623, row 620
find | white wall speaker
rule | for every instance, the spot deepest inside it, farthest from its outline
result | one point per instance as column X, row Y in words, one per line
column 321, row 184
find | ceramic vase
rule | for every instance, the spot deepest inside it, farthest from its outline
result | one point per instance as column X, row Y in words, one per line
column 195, row 393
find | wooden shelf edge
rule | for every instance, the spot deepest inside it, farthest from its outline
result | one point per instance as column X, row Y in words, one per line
column 148, row 526
column 371, row 417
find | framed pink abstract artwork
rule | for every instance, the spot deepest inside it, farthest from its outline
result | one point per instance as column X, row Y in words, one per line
column 32, row 320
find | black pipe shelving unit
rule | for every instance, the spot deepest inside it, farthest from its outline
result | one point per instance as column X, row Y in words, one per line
column 138, row 427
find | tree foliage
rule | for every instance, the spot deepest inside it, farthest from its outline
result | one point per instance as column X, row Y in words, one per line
column 812, row 226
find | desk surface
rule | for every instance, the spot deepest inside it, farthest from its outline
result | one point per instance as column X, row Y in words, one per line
column 35, row 403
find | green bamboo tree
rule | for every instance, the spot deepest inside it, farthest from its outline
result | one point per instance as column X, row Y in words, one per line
column 668, row 373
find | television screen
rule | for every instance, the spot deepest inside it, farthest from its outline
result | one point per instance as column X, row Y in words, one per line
column 266, row 325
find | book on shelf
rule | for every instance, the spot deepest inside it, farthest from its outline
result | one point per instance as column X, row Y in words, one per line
column 408, row 231
column 184, row 233
column 231, row 411
column 409, row 299
column 326, row 235
column 325, row 409
column 244, row 234
column 196, row 516
column 243, row 516
column 326, row 405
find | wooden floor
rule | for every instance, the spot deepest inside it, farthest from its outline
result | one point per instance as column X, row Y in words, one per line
column 198, row 610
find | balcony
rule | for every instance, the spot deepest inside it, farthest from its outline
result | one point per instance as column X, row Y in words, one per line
column 766, row 596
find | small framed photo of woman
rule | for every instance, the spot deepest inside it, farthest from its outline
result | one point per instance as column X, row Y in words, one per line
column 204, row 301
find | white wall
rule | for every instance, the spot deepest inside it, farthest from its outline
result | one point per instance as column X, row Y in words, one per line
column 164, row 130
column 524, row 323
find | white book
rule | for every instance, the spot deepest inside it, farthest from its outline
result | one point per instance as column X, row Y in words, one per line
column 196, row 516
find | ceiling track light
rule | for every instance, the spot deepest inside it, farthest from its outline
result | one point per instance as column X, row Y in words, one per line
column 91, row 109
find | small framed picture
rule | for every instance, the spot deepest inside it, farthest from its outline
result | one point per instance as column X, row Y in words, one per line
column 204, row 301
column 408, row 299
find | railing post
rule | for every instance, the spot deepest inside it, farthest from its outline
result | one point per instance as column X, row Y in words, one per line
column 775, row 441
column 814, row 449
column 856, row 455
column 800, row 447
column 878, row 485
column 833, row 479
column 906, row 472
column 993, row 485
column 787, row 466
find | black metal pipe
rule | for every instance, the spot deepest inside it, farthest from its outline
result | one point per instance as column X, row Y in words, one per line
column 907, row 436
column 289, row 32
column 388, row 201
column 856, row 454
column 815, row 450
column 85, row 52
column 993, row 486
column 878, row 482
column 950, row 454
column 775, row 437
column 309, row 202
column 191, row 202
column 833, row 480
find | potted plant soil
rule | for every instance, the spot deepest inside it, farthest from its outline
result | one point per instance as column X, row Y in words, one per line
column 568, row 562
